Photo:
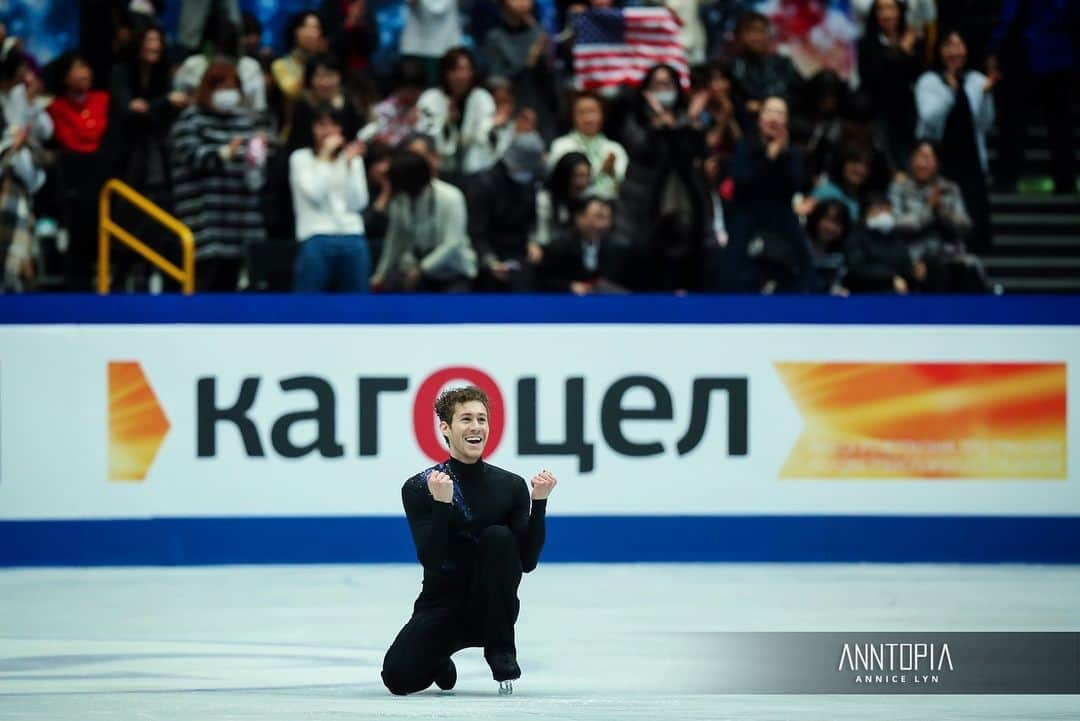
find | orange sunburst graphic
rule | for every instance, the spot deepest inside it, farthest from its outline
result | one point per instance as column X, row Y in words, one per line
column 928, row 420
column 137, row 424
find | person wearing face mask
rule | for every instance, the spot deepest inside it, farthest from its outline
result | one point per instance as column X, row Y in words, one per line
column 219, row 156
column 502, row 215
column 221, row 41
column 427, row 244
column 878, row 260
column 664, row 202
column 80, row 116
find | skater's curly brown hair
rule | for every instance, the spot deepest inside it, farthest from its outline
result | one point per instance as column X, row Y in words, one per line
column 449, row 399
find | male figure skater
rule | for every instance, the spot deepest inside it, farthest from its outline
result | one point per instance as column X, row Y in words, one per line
column 475, row 533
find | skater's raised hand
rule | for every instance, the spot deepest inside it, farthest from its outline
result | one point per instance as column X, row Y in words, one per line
column 441, row 487
column 543, row 483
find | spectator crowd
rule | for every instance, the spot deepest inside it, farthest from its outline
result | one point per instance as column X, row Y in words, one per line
column 483, row 168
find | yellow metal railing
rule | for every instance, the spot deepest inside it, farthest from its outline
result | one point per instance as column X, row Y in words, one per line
column 109, row 229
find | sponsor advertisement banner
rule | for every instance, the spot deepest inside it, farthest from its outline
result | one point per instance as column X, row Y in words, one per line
column 140, row 421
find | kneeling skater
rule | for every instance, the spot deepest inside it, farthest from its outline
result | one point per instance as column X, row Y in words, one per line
column 476, row 530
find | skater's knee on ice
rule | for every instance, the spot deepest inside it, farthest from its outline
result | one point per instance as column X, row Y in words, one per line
column 401, row 683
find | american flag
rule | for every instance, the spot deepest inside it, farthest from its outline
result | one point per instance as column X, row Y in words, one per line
column 616, row 46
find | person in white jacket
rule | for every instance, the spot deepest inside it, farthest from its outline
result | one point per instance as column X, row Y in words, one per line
column 460, row 115
column 329, row 191
column 607, row 158
column 956, row 110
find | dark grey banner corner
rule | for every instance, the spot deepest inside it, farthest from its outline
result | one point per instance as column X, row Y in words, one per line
column 883, row 663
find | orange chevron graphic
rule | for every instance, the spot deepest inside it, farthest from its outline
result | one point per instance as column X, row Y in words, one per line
column 928, row 420
column 137, row 423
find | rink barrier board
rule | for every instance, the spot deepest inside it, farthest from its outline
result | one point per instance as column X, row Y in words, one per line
column 619, row 539
column 570, row 539
column 487, row 309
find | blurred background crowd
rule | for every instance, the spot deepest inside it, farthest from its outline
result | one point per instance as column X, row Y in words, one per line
column 804, row 146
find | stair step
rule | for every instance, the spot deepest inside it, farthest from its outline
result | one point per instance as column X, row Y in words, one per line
column 1038, row 132
column 1031, row 155
column 1031, row 242
column 1038, row 285
column 1037, row 220
column 1043, row 262
column 1071, row 202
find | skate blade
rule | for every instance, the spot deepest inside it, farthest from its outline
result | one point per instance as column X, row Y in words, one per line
column 506, row 688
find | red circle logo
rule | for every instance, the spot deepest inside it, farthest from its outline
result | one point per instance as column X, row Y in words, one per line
column 427, row 435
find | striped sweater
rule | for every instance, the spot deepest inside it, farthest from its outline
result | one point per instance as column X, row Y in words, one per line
column 212, row 195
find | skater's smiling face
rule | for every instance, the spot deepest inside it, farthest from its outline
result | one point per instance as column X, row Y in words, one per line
column 467, row 433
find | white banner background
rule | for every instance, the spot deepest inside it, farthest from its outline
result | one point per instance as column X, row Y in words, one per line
column 54, row 417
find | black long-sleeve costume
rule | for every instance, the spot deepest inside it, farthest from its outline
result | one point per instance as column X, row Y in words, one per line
column 446, row 535
column 473, row 551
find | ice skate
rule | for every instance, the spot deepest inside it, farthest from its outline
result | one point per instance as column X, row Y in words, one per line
column 504, row 669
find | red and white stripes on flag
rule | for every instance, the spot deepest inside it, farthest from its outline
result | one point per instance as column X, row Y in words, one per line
column 614, row 46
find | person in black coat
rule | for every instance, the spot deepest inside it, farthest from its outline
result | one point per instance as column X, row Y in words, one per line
column 142, row 108
column 323, row 85
column 591, row 258
column 352, row 33
column 758, row 71
column 663, row 200
column 828, row 227
column 824, row 100
column 889, row 65
column 502, row 215
column 879, row 261
column 767, row 249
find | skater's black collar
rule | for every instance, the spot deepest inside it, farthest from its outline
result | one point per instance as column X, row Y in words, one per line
column 467, row 471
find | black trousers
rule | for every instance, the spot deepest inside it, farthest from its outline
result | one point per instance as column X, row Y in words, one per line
column 438, row 628
column 80, row 183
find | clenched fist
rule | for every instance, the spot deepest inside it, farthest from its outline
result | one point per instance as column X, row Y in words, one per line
column 543, row 483
column 441, row 487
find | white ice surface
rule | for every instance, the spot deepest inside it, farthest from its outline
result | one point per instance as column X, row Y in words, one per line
column 306, row 642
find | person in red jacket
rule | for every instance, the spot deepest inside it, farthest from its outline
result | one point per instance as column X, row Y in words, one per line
column 80, row 116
